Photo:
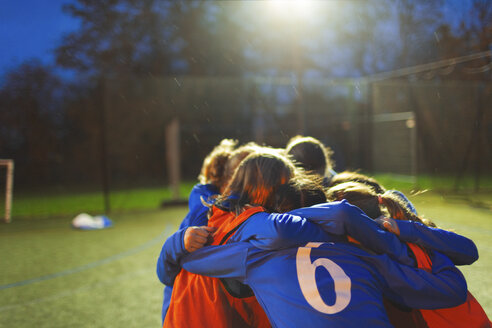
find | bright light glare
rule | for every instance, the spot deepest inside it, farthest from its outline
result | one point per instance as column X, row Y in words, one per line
column 291, row 9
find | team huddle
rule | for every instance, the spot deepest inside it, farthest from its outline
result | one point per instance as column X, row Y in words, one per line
column 275, row 238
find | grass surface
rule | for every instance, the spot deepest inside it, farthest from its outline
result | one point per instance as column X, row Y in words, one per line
column 50, row 203
column 54, row 276
column 473, row 222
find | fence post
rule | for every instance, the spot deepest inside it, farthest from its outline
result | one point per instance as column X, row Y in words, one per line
column 172, row 154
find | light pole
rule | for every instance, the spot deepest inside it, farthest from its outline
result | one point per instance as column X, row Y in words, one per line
column 293, row 16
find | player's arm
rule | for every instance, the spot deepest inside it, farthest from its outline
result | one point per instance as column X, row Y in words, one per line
column 182, row 242
column 444, row 287
column 459, row 249
column 276, row 231
column 167, row 263
column 323, row 222
column 344, row 218
column 224, row 261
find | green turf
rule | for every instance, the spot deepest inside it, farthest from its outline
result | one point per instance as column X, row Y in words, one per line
column 474, row 222
column 50, row 202
column 107, row 278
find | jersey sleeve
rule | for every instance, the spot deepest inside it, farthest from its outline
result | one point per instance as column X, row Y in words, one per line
column 277, row 231
column 224, row 261
column 343, row 218
column 459, row 249
column 444, row 287
column 168, row 265
column 197, row 214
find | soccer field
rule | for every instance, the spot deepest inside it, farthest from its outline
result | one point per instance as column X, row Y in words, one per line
column 54, row 276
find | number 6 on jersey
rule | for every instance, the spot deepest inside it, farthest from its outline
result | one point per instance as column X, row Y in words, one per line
column 306, row 271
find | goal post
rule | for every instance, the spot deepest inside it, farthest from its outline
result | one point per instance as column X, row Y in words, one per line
column 9, row 184
column 394, row 147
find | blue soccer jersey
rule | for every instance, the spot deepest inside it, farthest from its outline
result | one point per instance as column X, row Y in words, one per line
column 197, row 214
column 329, row 284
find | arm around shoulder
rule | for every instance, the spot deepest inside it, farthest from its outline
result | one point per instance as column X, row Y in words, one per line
column 459, row 249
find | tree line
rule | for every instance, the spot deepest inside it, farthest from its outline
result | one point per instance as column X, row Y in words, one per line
column 51, row 124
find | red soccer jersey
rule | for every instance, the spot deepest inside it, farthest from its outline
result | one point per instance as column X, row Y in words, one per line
column 199, row 301
column 469, row 314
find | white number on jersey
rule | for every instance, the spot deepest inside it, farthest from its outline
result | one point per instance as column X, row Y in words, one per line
column 306, row 275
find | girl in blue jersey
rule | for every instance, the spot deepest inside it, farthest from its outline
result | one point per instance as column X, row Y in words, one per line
column 211, row 181
column 204, row 299
column 461, row 250
column 217, row 169
column 421, row 235
column 328, row 284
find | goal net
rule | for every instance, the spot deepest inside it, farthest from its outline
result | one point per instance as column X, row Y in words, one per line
column 394, row 145
column 394, row 132
column 8, row 166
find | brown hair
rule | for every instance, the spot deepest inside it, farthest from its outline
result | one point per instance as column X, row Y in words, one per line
column 369, row 201
column 236, row 157
column 301, row 191
column 255, row 181
column 310, row 154
column 213, row 167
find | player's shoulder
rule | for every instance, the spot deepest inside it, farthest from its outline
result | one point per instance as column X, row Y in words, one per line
column 202, row 191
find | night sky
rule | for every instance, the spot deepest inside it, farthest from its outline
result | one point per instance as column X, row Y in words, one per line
column 31, row 29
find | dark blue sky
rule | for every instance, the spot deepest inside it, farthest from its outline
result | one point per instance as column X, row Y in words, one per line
column 34, row 28
column 31, row 29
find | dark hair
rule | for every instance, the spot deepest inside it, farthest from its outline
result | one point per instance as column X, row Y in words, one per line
column 214, row 165
column 369, row 201
column 346, row 176
column 299, row 193
column 310, row 154
column 255, row 181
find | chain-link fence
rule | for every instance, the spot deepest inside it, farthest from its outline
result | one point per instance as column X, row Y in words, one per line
column 118, row 140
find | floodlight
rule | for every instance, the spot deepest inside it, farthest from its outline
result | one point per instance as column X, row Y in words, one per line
column 291, row 9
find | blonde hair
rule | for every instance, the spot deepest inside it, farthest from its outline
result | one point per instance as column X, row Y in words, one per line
column 374, row 204
column 213, row 167
column 347, row 176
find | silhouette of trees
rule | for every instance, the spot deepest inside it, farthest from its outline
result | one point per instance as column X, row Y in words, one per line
column 32, row 116
column 53, row 128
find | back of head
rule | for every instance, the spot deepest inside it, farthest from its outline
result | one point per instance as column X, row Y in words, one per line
column 214, row 165
column 347, row 176
column 368, row 200
column 256, row 178
column 358, row 194
column 310, row 154
column 237, row 156
column 299, row 193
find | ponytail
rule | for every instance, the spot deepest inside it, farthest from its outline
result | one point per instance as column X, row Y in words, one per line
column 400, row 211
